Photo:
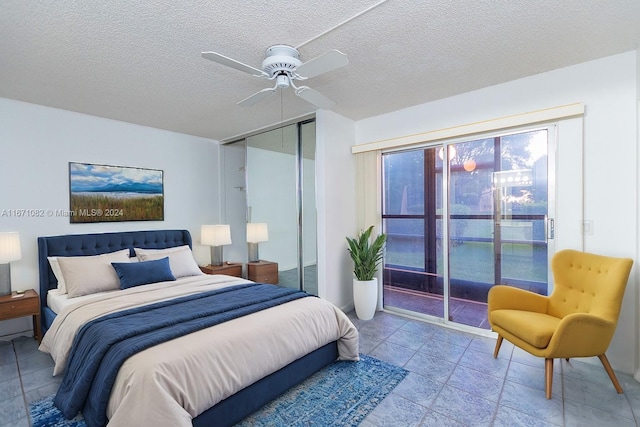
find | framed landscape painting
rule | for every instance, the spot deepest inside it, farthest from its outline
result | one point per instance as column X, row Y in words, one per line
column 102, row 193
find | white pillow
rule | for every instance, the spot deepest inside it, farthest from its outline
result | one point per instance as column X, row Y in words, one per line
column 55, row 267
column 85, row 275
column 181, row 259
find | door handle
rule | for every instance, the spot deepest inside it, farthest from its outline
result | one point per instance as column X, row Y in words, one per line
column 551, row 228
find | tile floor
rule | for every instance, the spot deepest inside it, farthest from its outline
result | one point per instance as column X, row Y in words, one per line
column 25, row 376
column 454, row 381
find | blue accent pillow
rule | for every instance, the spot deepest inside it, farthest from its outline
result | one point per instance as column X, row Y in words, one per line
column 142, row 273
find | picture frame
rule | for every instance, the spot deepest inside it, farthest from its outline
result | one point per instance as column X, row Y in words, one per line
column 105, row 193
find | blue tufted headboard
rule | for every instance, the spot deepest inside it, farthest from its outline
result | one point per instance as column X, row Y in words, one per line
column 96, row 244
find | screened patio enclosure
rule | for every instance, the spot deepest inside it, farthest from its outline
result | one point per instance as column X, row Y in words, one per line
column 457, row 224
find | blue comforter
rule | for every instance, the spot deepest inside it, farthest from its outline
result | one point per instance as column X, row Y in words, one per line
column 104, row 344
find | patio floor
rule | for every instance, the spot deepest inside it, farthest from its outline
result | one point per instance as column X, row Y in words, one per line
column 462, row 311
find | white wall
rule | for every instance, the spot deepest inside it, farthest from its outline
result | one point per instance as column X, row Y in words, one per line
column 36, row 144
column 336, row 202
column 608, row 88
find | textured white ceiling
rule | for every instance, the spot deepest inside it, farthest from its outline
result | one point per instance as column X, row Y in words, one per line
column 139, row 61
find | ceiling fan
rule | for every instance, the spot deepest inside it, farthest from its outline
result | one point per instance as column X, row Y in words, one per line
column 282, row 63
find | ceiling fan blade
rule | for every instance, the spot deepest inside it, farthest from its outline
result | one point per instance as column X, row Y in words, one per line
column 256, row 97
column 322, row 64
column 221, row 59
column 314, row 97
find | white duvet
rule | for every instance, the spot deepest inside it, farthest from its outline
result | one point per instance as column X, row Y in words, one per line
column 171, row 383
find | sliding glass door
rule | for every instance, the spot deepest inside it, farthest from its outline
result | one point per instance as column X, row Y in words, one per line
column 462, row 222
column 414, row 252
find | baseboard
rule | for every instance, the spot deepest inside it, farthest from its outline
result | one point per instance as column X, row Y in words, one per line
column 348, row 308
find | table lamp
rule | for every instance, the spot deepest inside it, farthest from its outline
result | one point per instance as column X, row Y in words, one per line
column 256, row 232
column 215, row 236
column 9, row 251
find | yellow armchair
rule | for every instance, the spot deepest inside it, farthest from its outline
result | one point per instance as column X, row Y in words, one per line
column 578, row 319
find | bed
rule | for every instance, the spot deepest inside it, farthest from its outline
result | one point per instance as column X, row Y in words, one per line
column 195, row 403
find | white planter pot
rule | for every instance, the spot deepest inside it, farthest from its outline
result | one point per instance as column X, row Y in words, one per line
column 365, row 297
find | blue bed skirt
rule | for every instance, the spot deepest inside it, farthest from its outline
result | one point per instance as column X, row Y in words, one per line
column 245, row 402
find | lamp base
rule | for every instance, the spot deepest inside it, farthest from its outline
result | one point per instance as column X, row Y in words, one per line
column 216, row 255
column 5, row 279
column 253, row 252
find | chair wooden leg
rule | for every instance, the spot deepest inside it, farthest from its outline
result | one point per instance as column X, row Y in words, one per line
column 498, row 344
column 548, row 376
column 612, row 375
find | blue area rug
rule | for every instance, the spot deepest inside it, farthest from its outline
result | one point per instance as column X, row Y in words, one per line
column 43, row 413
column 342, row 394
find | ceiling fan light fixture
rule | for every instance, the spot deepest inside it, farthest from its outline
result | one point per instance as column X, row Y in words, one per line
column 282, row 81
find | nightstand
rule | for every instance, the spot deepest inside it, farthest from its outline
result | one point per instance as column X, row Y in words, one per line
column 228, row 268
column 28, row 304
column 263, row 272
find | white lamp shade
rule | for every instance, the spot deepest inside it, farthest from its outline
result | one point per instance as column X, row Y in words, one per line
column 215, row 235
column 257, row 232
column 9, row 247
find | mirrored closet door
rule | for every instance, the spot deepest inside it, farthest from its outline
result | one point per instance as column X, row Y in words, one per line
column 280, row 178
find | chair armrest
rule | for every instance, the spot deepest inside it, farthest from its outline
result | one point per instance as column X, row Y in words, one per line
column 581, row 335
column 507, row 297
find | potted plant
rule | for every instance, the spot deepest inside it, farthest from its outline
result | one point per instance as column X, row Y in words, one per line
column 366, row 258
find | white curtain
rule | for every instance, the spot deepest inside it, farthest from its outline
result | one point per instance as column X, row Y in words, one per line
column 369, row 198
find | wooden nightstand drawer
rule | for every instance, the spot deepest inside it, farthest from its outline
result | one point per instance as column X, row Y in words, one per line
column 28, row 304
column 263, row 272
column 230, row 269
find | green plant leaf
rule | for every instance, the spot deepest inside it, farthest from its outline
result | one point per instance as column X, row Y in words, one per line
column 366, row 256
